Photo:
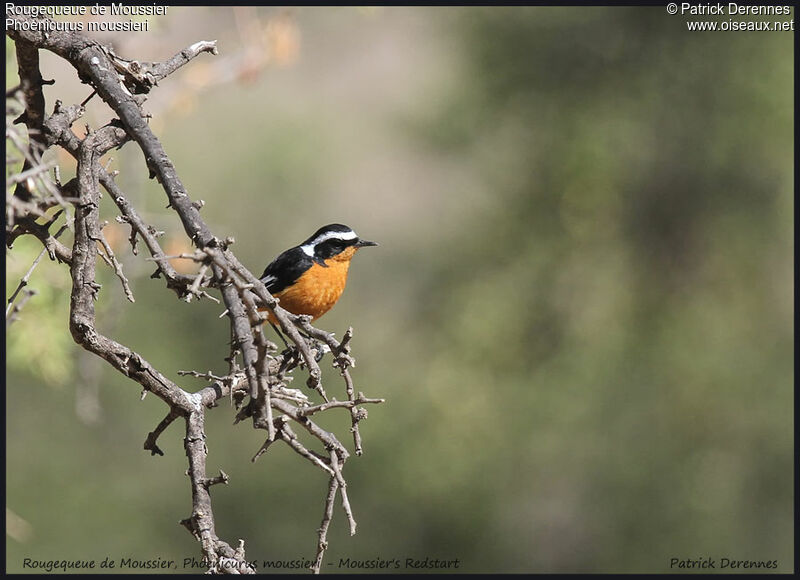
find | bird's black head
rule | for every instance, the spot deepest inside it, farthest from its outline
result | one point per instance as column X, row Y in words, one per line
column 332, row 240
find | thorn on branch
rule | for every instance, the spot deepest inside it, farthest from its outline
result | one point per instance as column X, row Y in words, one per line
column 315, row 382
column 87, row 99
column 195, row 287
column 221, row 478
column 208, row 376
column 187, row 523
column 281, row 428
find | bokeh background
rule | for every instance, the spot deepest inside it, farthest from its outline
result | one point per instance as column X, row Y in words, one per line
column 580, row 313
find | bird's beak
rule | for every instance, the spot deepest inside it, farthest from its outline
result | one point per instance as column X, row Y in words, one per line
column 363, row 243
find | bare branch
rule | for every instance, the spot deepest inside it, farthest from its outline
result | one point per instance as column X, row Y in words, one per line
column 194, row 288
column 24, row 281
column 12, row 315
column 209, row 376
column 287, row 435
column 31, row 83
column 152, row 437
column 55, row 249
column 322, row 532
column 360, row 400
column 337, row 469
column 111, row 259
column 32, row 172
column 166, row 68
column 263, row 375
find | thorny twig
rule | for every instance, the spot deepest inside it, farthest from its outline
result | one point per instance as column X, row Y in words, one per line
column 263, row 375
column 112, row 261
column 12, row 309
column 12, row 313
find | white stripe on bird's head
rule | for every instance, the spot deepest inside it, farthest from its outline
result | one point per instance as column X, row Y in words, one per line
column 308, row 247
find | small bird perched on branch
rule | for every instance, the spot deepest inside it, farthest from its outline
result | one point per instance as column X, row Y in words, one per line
column 310, row 278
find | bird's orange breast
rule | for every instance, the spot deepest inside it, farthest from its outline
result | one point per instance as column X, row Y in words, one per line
column 317, row 290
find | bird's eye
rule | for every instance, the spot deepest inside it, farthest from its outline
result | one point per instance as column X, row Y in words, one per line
column 330, row 248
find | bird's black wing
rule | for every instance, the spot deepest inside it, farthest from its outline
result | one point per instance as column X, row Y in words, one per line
column 284, row 270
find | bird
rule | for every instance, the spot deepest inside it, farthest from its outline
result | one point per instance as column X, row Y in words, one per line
column 309, row 278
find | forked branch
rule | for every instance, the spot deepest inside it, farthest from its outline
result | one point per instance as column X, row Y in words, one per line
column 259, row 376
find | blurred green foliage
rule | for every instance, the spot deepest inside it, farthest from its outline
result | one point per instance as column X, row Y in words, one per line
column 44, row 334
column 586, row 350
